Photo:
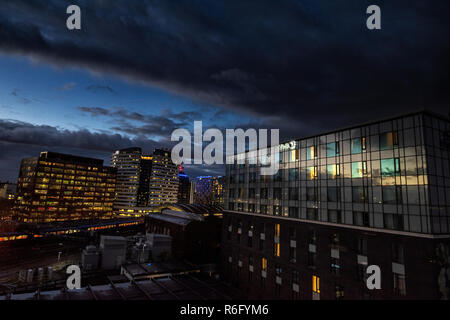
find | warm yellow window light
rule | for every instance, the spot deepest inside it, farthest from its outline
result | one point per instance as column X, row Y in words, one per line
column 316, row 284
column 277, row 230
column 264, row 264
column 277, row 249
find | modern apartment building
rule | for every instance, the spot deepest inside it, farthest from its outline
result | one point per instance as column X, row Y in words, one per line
column 59, row 187
column 372, row 194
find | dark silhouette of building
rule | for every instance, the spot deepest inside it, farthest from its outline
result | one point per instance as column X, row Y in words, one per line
column 195, row 230
column 144, row 181
column 184, row 187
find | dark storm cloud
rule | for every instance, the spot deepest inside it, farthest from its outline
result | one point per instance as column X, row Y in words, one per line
column 21, row 139
column 13, row 152
column 43, row 135
column 152, row 125
column 302, row 66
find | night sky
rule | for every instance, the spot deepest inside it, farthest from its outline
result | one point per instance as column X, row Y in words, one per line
column 140, row 69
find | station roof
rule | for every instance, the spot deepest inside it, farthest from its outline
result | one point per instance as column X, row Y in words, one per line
column 193, row 208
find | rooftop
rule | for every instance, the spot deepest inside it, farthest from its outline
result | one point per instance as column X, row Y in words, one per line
column 70, row 158
column 179, row 287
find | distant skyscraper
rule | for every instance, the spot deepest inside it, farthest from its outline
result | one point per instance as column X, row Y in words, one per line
column 164, row 180
column 219, row 190
column 209, row 190
column 144, row 181
column 184, row 187
column 59, row 187
column 127, row 162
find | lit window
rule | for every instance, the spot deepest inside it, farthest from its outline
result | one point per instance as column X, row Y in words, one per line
column 311, row 152
column 333, row 171
column 264, row 264
column 312, row 173
column 276, row 249
column 390, row 167
column 277, row 230
column 316, row 284
column 332, row 149
column 359, row 169
column 388, row 140
column 294, row 155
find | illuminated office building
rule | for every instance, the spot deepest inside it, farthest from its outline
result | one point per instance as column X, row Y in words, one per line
column 164, row 179
column 128, row 162
column 59, row 187
column 371, row 194
column 144, row 182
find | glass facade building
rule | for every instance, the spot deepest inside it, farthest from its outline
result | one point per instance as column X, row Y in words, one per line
column 391, row 174
column 371, row 194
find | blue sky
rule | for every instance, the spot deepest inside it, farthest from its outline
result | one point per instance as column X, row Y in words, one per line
column 39, row 93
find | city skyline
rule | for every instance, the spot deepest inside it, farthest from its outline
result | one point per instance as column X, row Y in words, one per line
column 235, row 150
column 229, row 66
